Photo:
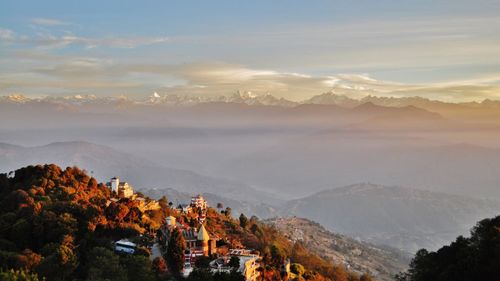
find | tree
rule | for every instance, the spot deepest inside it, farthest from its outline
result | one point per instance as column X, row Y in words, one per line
column 159, row 265
column 243, row 220
column 138, row 267
column 228, row 211
column 61, row 263
column 234, row 262
column 297, row 269
column 474, row 258
column 365, row 277
column 233, row 275
column 202, row 262
column 103, row 264
column 17, row 275
column 175, row 252
column 201, row 274
column 116, row 211
column 163, row 202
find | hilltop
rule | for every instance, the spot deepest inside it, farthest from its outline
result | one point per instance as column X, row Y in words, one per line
column 382, row 263
column 63, row 225
column 404, row 218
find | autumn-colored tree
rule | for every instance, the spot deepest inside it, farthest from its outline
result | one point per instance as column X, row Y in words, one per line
column 116, row 211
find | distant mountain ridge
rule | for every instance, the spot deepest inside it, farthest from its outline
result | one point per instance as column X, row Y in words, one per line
column 104, row 162
column 246, row 97
column 408, row 219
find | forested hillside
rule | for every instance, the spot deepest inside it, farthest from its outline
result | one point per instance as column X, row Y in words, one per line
column 60, row 225
column 466, row 259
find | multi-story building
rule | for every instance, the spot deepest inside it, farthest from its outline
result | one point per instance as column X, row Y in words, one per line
column 199, row 202
column 122, row 189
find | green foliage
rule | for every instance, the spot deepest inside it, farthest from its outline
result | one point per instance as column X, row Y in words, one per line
column 105, row 264
column 175, row 252
column 474, row 258
column 138, row 267
column 60, row 263
column 200, row 274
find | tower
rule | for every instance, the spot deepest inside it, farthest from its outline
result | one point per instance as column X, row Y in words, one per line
column 203, row 239
column 115, row 183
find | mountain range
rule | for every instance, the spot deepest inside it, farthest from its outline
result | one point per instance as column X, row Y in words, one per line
column 246, row 97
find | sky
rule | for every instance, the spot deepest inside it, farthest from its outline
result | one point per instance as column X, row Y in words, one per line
column 445, row 50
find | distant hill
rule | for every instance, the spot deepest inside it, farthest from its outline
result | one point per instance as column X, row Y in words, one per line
column 382, row 263
column 105, row 162
column 404, row 218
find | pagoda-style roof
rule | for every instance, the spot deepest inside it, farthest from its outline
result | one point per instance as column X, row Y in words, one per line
column 203, row 234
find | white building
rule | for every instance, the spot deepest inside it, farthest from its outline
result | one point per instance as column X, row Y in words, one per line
column 122, row 189
column 249, row 264
column 199, row 202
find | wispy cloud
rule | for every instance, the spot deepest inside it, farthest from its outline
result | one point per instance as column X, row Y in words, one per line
column 7, row 34
column 48, row 40
column 214, row 79
column 48, row 22
column 51, row 41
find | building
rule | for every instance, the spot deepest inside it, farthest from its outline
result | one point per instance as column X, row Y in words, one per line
column 199, row 202
column 147, row 204
column 184, row 208
column 122, row 189
column 249, row 264
column 198, row 241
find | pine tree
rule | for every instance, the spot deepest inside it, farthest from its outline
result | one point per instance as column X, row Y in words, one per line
column 243, row 220
column 175, row 252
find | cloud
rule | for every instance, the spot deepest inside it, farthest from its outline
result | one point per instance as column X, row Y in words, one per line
column 45, row 39
column 106, row 76
column 51, row 41
column 48, row 22
column 7, row 34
